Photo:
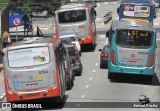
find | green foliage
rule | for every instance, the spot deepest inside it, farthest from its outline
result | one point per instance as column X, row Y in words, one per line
column 3, row 4
column 29, row 5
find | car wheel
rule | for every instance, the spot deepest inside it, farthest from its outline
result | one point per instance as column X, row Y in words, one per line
column 72, row 82
column 69, row 84
column 107, row 66
column 80, row 53
column 80, row 71
column 101, row 65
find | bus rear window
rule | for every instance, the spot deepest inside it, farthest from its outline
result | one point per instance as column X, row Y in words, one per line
column 72, row 16
column 134, row 38
column 28, row 57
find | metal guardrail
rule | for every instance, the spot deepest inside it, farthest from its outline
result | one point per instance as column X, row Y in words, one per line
column 107, row 17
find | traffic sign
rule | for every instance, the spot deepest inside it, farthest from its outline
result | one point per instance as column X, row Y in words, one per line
column 16, row 21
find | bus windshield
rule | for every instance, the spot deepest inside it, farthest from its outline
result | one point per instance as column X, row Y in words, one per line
column 28, row 57
column 129, row 38
column 72, row 16
column 136, row 10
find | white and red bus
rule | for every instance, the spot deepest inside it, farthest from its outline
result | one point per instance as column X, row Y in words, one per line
column 34, row 69
column 79, row 19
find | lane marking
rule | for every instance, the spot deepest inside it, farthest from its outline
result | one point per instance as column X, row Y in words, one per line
column 93, row 70
column 156, row 23
column 158, row 18
column 90, row 78
column 87, row 86
column 102, row 35
column 98, row 4
column 96, row 64
column 98, row 18
column 114, row 2
column 106, row 3
column 83, row 96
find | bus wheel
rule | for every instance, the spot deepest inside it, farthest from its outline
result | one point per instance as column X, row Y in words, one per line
column 149, row 79
column 61, row 101
column 110, row 76
column 61, row 98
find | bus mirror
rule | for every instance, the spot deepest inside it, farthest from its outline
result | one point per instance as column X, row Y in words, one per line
column 107, row 33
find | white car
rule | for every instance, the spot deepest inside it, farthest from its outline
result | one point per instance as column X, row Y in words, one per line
column 74, row 40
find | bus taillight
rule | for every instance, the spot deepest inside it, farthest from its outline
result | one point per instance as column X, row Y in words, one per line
column 113, row 57
column 151, row 60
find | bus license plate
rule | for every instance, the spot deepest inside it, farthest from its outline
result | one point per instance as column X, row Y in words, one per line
column 132, row 62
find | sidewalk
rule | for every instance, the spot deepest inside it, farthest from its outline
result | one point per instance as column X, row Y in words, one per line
column 44, row 24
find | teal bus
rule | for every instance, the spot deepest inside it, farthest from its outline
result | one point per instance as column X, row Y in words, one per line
column 132, row 48
column 142, row 10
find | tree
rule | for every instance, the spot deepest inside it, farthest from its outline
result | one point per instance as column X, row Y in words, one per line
column 23, row 6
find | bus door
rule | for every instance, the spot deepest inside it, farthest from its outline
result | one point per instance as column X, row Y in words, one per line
column 29, row 69
column 135, row 48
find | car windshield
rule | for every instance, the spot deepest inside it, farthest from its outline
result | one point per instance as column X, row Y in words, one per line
column 72, row 39
column 72, row 16
column 71, row 51
column 106, row 48
column 134, row 38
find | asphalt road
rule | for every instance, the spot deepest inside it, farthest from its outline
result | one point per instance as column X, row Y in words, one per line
column 93, row 85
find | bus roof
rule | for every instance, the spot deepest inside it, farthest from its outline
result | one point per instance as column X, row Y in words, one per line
column 132, row 25
column 35, row 40
column 136, row 1
column 74, row 6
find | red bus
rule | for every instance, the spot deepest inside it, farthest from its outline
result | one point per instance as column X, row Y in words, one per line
column 79, row 19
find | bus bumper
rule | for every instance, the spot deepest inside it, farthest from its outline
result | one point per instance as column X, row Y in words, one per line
column 85, row 40
column 131, row 70
column 15, row 97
